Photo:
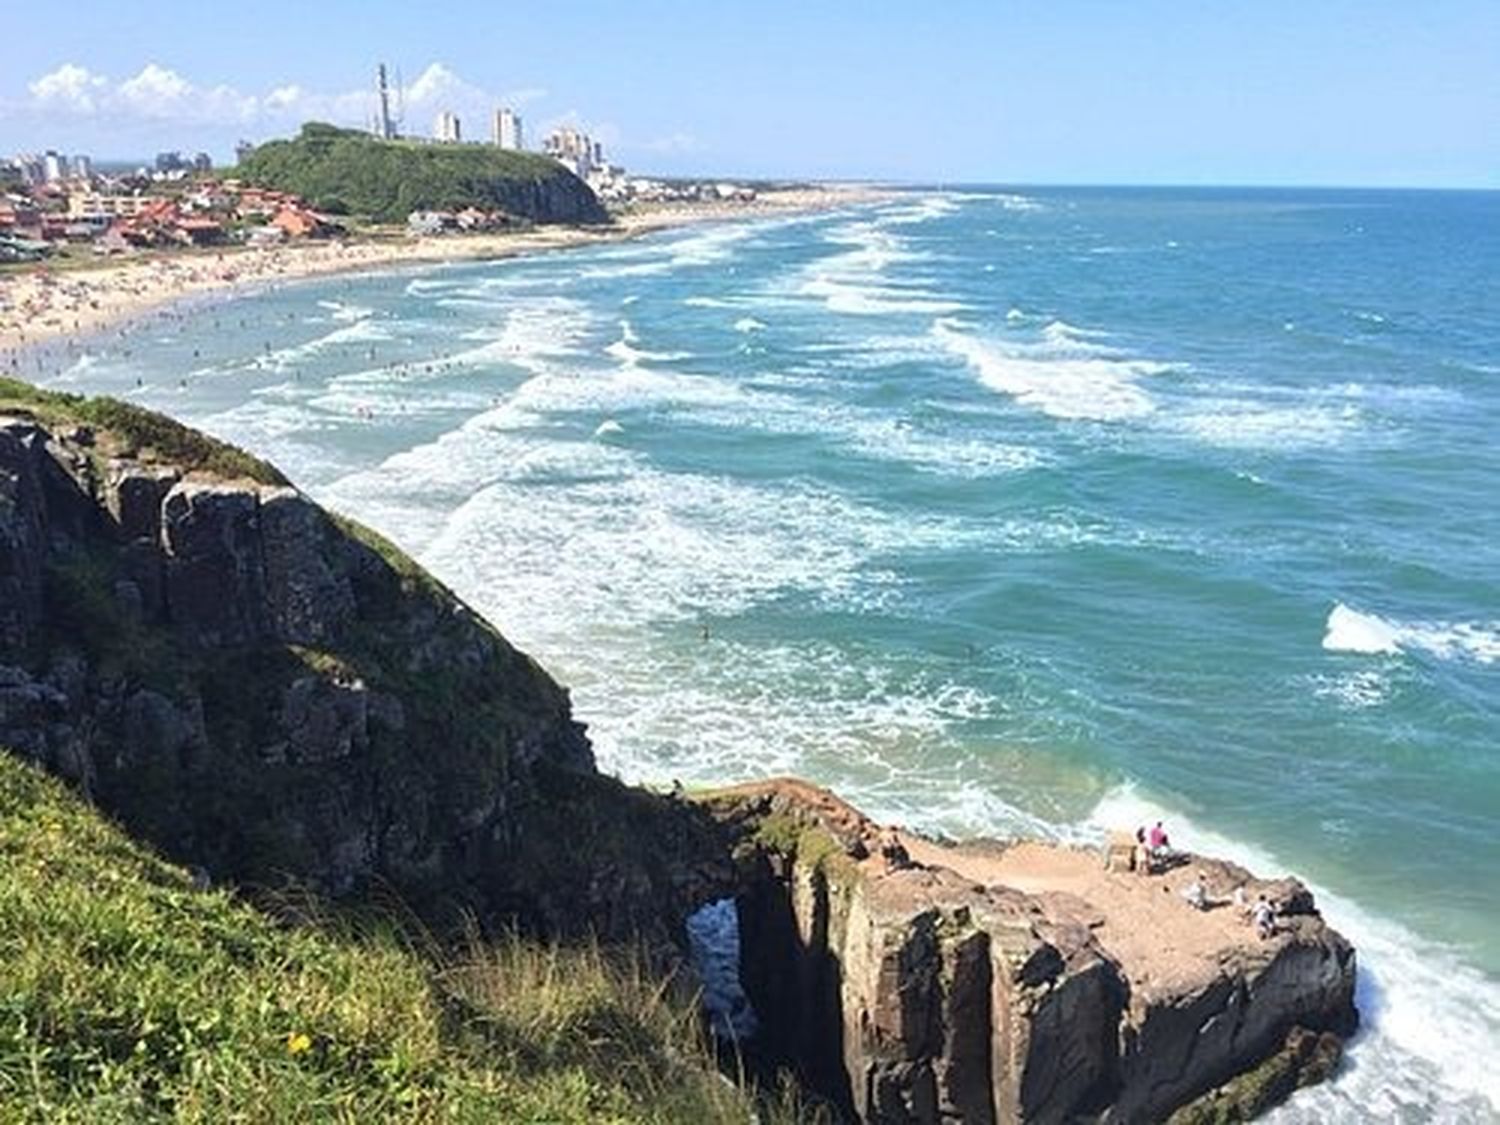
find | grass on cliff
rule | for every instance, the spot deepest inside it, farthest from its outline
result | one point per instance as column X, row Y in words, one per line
column 347, row 171
column 137, row 432
column 128, row 995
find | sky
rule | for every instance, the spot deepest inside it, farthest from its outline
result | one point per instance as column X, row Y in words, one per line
column 947, row 91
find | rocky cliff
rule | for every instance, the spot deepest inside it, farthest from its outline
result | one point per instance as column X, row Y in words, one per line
column 268, row 692
column 984, row 982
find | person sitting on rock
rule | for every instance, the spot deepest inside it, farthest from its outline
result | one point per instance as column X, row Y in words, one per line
column 892, row 850
column 1158, row 847
column 1264, row 916
column 1196, row 894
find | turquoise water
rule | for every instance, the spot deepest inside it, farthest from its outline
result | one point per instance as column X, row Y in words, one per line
column 998, row 510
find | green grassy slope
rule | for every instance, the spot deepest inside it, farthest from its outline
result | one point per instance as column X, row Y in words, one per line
column 126, row 995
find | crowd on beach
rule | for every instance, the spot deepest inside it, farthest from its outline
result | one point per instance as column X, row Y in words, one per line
column 1154, row 855
column 41, row 303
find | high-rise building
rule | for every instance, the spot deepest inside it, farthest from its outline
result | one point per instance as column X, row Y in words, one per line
column 242, row 151
column 33, row 171
column 54, row 166
column 446, row 128
column 507, row 129
column 83, row 167
column 576, row 151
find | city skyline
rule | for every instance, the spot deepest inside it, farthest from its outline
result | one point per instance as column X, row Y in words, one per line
column 1378, row 95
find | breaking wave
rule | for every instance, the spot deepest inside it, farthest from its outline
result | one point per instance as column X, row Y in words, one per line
column 1349, row 630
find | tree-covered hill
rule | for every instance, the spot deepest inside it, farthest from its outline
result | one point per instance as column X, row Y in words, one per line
column 348, row 172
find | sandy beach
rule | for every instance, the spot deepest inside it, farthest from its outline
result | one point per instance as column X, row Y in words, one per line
column 41, row 305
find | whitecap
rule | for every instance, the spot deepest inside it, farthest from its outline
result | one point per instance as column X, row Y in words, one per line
column 1349, row 630
column 1250, row 424
column 749, row 324
column 1065, row 386
column 347, row 312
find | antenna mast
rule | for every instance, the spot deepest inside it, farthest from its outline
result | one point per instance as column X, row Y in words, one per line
column 383, row 127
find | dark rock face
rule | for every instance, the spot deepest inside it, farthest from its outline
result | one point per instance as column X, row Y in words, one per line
column 959, row 1001
column 260, row 691
column 562, row 198
column 22, row 533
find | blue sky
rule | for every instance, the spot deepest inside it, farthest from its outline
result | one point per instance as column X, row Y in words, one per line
column 950, row 90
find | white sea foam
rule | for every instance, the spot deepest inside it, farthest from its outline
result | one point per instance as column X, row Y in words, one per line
column 341, row 311
column 608, row 428
column 1419, row 1003
column 749, row 324
column 1061, row 334
column 624, row 349
column 536, row 334
column 1253, row 423
column 1349, row 630
column 359, row 335
column 1072, row 383
column 861, row 280
column 1012, row 202
column 1355, row 690
column 844, row 295
column 921, row 211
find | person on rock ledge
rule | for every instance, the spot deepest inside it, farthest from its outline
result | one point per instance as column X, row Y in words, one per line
column 892, row 850
column 1195, row 893
column 1158, row 848
column 1264, row 916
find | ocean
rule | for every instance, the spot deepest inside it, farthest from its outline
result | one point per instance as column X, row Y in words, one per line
column 998, row 510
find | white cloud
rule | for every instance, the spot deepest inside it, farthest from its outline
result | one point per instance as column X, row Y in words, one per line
column 156, row 92
column 160, row 94
column 70, row 87
column 284, row 96
column 437, row 84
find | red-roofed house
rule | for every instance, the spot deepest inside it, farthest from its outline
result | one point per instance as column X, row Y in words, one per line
column 299, row 222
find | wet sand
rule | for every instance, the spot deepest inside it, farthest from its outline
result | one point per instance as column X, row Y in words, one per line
column 41, row 305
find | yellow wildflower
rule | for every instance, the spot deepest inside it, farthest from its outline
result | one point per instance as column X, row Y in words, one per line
column 297, row 1042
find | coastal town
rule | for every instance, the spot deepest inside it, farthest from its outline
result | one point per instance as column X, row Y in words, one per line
column 85, row 243
column 54, row 203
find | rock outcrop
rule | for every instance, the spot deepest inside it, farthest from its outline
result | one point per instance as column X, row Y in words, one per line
column 267, row 692
column 920, row 983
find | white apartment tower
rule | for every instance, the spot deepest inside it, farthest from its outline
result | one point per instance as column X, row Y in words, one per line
column 446, row 129
column 507, row 129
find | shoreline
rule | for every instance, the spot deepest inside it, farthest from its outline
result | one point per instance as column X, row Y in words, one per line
column 39, row 308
